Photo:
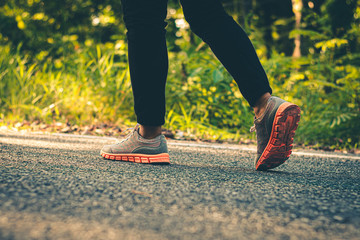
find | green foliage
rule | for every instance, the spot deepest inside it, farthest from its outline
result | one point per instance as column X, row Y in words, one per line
column 199, row 84
column 325, row 83
column 68, row 62
column 327, row 93
column 52, row 28
column 86, row 86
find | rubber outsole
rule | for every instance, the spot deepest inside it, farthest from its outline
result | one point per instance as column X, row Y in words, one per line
column 162, row 158
column 279, row 147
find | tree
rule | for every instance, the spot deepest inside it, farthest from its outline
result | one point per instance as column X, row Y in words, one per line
column 297, row 6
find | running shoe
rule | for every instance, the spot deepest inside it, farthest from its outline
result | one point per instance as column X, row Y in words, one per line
column 275, row 131
column 135, row 148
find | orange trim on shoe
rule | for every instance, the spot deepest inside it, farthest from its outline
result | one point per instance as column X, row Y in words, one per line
column 279, row 147
column 162, row 158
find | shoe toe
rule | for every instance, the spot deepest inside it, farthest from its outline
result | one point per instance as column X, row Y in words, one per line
column 107, row 149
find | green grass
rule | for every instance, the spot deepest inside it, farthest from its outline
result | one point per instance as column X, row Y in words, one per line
column 92, row 84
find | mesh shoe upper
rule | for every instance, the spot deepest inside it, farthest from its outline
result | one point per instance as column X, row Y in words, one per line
column 263, row 124
column 135, row 143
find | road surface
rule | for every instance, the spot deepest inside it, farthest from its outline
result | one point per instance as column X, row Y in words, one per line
column 58, row 187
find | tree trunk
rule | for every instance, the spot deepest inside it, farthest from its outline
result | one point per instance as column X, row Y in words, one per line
column 297, row 6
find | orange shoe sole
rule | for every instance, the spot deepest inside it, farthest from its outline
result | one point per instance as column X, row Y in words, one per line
column 162, row 158
column 279, row 147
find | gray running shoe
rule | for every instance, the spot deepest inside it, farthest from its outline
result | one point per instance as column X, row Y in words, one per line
column 275, row 131
column 135, row 148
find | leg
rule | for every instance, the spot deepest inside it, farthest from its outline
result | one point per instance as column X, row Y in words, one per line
column 148, row 63
column 148, row 59
column 276, row 120
column 230, row 44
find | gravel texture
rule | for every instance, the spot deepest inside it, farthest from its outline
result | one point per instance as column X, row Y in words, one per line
column 57, row 187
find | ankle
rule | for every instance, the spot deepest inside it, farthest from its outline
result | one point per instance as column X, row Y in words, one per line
column 261, row 104
column 149, row 132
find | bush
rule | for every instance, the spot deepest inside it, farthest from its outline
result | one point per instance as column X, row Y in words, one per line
column 67, row 74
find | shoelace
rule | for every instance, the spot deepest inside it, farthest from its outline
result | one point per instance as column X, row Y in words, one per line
column 253, row 129
column 132, row 130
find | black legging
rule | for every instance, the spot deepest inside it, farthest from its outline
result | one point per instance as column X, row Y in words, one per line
column 148, row 59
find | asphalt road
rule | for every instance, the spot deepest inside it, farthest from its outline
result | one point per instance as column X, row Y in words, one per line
column 57, row 187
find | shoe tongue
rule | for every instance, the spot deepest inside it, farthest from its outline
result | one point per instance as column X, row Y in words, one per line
column 137, row 128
